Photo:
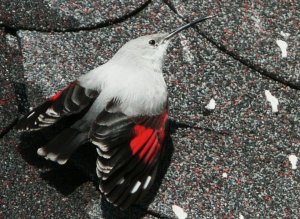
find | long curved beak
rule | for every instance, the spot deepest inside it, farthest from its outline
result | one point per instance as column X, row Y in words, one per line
column 178, row 30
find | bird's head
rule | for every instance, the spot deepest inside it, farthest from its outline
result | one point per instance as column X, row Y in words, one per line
column 152, row 47
column 148, row 46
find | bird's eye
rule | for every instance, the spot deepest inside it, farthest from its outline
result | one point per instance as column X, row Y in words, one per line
column 152, row 42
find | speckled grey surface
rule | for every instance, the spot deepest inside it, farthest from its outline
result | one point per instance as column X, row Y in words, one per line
column 9, row 60
column 241, row 136
column 63, row 15
column 249, row 30
column 25, row 193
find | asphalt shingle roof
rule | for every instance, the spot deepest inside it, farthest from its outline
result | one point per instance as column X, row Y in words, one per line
column 233, row 58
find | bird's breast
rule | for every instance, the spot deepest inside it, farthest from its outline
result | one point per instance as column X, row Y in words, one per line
column 139, row 93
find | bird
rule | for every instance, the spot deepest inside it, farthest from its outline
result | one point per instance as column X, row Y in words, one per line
column 122, row 108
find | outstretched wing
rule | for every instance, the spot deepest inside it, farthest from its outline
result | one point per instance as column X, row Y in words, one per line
column 72, row 100
column 129, row 152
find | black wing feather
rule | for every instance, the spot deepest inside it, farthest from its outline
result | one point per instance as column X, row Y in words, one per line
column 126, row 172
column 72, row 100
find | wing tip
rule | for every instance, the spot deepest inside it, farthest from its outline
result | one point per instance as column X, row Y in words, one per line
column 30, row 121
column 23, row 126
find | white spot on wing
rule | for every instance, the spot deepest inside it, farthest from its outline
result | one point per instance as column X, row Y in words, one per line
column 211, row 105
column 293, row 159
column 62, row 161
column 272, row 100
column 41, row 116
column 44, row 124
column 98, row 172
column 49, row 120
column 241, row 216
column 99, row 164
column 136, row 187
column 147, row 182
column 101, row 189
column 104, row 177
column 283, row 46
column 103, row 147
column 51, row 112
column 31, row 114
column 98, row 151
column 99, row 144
column 179, row 212
column 105, row 170
column 106, row 156
column 51, row 156
column 41, row 152
column 102, row 167
column 121, row 181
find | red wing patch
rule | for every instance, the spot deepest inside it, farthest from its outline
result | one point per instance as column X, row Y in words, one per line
column 142, row 135
column 147, row 141
column 58, row 94
column 130, row 151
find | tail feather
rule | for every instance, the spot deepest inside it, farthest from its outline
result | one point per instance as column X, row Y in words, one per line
column 63, row 145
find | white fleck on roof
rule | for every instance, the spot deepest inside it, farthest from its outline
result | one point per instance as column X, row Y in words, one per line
column 211, row 105
column 283, row 46
column 224, row 175
column 179, row 212
column 293, row 159
column 285, row 35
column 272, row 100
